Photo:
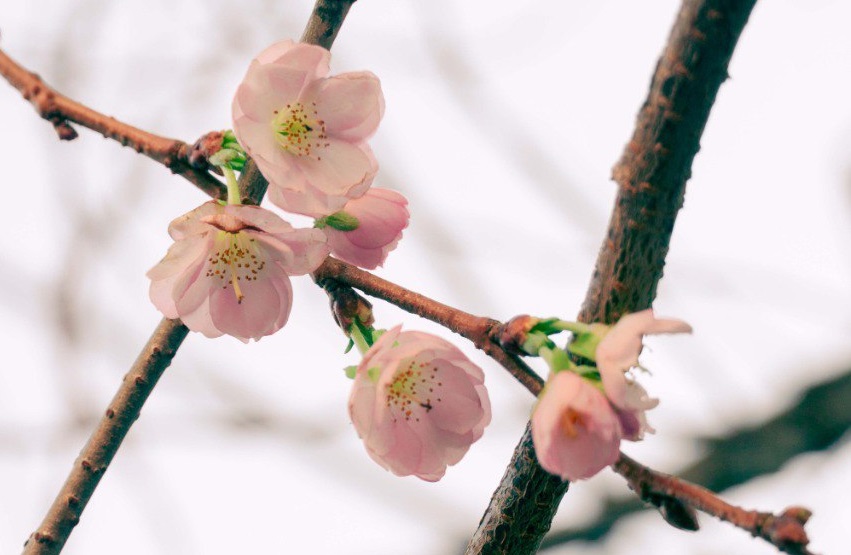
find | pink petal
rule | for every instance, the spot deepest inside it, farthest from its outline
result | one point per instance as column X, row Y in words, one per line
column 199, row 320
column 351, row 105
column 299, row 252
column 190, row 223
column 344, row 169
column 258, row 217
column 311, row 59
column 256, row 315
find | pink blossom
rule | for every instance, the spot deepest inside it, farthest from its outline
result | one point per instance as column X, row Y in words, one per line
column 381, row 216
column 574, row 428
column 306, row 131
column 228, row 270
column 418, row 403
column 618, row 352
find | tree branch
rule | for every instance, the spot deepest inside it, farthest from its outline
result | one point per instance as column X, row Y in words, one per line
column 785, row 531
column 479, row 330
column 651, row 174
column 104, row 442
column 60, row 110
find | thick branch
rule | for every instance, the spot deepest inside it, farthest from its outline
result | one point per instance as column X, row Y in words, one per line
column 325, row 22
column 60, row 110
column 104, row 442
column 651, row 174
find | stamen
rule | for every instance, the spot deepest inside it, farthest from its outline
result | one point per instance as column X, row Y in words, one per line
column 299, row 130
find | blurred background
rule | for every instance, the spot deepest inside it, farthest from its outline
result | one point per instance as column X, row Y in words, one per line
column 503, row 121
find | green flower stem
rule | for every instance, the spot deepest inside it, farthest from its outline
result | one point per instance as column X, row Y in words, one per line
column 359, row 339
column 233, row 187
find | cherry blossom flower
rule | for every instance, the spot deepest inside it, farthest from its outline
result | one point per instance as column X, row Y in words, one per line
column 418, row 403
column 575, row 431
column 228, row 270
column 618, row 353
column 381, row 216
column 306, row 131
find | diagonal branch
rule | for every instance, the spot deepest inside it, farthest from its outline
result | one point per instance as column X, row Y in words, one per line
column 104, row 442
column 651, row 174
column 60, row 110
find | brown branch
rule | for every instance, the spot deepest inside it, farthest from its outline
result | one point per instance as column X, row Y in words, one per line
column 104, row 442
column 325, row 22
column 60, row 110
column 94, row 459
column 651, row 174
column 785, row 531
column 481, row 331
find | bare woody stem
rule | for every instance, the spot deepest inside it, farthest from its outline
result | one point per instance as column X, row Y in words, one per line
column 104, row 442
column 478, row 329
column 60, row 110
column 64, row 514
column 785, row 531
column 651, row 175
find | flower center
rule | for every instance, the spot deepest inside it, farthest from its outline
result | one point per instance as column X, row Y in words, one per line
column 570, row 422
column 235, row 260
column 413, row 390
column 299, row 130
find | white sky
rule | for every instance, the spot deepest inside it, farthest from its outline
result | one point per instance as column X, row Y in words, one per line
column 503, row 121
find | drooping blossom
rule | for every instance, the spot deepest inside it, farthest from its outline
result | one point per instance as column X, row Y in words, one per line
column 618, row 353
column 418, row 403
column 228, row 270
column 575, row 430
column 306, row 131
column 381, row 215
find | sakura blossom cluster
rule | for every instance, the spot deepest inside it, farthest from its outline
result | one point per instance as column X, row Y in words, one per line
column 308, row 134
column 584, row 412
column 229, row 267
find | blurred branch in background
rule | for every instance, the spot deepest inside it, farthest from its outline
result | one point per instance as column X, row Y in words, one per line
column 815, row 423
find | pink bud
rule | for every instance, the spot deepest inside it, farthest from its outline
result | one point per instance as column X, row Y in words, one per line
column 381, row 216
column 575, row 431
column 418, row 403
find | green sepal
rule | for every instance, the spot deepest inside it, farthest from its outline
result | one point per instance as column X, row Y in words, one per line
column 535, row 340
column 585, row 345
column 351, row 371
column 551, row 326
column 374, row 373
column 342, row 221
column 376, row 335
column 349, row 346
column 557, row 359
column 589, row 373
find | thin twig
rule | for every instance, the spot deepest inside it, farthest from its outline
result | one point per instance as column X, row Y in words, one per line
column 104, row 442
column 478, row 329
column 60, row 110
column 785, row 531
column 652, row 175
